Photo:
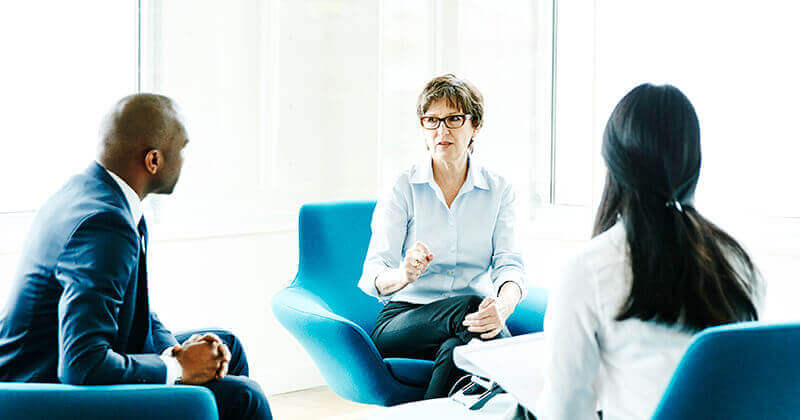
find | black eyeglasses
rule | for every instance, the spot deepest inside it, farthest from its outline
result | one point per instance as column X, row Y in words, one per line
column 450, row 121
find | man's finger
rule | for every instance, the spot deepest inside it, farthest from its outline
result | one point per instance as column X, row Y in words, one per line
column 223, row 370
column 218, row 352
column 211, row 338
column 215, row 353
column 226, row 352
column 192, row 339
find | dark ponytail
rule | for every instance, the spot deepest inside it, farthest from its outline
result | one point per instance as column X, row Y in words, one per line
column 685, row 269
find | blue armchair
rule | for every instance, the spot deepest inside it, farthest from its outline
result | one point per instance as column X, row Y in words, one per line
column 125, row 402
column 331, row 318
column 740, row 371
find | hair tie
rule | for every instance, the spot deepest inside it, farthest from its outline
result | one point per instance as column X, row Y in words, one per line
column 676, row 204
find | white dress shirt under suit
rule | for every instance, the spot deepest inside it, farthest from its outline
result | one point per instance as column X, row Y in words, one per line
column 625, row 366
column 472, row 240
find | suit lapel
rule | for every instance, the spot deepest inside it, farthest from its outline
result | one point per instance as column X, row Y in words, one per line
column 133, row 320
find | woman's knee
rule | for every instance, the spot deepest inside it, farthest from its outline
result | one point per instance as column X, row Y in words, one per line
column 461, row 306
column 467, row 303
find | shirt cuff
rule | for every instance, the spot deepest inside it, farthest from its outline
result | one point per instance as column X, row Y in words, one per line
column 384, row 299
column 173, row 367
column 499, row 285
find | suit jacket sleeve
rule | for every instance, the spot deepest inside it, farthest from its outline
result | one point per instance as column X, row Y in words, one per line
column 162, row 337
column 94, row 269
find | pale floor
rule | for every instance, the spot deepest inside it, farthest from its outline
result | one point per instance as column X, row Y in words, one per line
column 316, row 404
column 322, row 404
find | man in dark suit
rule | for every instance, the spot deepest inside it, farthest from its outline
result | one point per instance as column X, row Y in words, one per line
column 79, row 311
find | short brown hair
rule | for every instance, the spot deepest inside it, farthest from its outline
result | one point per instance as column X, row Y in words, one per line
column 459, row 94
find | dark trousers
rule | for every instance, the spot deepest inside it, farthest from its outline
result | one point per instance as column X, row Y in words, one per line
column 237, row 396
column 429, row 332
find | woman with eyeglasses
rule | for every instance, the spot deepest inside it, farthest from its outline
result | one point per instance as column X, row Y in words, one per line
column 442, row 255
column 656, row 272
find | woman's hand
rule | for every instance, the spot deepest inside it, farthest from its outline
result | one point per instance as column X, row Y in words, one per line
column 493, row 312
column 417, row 260
column 490, row 318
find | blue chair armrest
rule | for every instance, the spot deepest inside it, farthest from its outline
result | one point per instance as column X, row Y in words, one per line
column 529, row 315
column 413, row 372
column 343, row 352
column 127, row 402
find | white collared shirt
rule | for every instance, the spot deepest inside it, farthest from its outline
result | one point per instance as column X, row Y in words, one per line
column 625, row 366
column 135, row 204
column 473, row 241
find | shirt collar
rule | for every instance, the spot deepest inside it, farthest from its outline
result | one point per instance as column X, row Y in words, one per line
column 476, row 176
column 134, row 202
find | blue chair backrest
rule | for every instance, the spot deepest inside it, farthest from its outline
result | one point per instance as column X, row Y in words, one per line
column 739, row 371
column 334, row 238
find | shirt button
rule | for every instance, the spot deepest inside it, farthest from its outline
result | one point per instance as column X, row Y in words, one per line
column 453, row 249
column 445, row 294
column 452, row 222
column 450, row 272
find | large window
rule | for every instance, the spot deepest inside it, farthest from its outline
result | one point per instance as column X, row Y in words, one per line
column 61, row 72
column 64, row 65
column 734, row 61
column 297, row 101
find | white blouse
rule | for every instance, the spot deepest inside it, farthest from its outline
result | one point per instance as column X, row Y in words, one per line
column 597, row 362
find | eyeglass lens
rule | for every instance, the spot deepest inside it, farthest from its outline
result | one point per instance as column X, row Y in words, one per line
column 452, row 121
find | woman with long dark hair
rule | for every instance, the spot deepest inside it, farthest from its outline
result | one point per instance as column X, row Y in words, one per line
column 655, row 273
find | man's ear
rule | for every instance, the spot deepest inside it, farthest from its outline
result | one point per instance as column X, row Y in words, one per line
column 153, row 160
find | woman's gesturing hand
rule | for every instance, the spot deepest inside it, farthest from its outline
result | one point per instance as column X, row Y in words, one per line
column 417, row 260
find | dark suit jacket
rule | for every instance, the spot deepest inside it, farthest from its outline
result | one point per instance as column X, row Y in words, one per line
column 71, row 316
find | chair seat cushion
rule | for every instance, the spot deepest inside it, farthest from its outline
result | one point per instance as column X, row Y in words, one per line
column 127, row 402
column 414, row 372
